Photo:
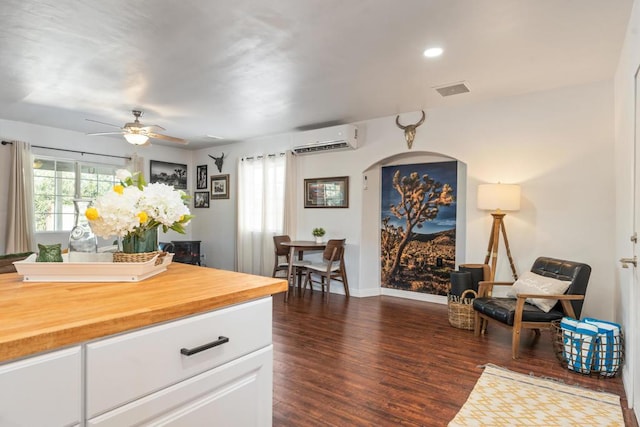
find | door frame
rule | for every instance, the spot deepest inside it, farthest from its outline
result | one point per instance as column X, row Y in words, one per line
column 634, row 324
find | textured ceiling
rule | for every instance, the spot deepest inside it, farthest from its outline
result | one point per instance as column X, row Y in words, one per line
column 244, row 68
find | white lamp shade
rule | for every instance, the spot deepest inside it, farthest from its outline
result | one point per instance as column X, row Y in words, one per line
column 136, row 138
column 504, row 197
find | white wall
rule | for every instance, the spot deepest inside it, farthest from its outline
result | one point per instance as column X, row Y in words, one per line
column 622, row 286
column 58, row 138
column 216, row 226
column 558, row 145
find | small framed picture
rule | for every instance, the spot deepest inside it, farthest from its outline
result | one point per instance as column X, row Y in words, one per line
column 201, row 199
column 174, row 174
column 201, row 177
column 220, row 186
column 326, row 192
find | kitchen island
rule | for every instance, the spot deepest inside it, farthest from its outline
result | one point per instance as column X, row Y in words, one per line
column 126, row 353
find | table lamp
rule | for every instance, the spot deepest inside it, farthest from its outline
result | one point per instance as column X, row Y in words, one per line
column 498, row 198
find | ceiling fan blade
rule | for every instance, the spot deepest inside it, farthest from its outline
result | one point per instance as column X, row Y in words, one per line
column 103, row 123
column 167, row 138
column 105, row 133
column 148, row 127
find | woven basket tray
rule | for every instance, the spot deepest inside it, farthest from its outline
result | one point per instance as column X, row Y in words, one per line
column 461, row 314
column 559, row 350
column 139, row 257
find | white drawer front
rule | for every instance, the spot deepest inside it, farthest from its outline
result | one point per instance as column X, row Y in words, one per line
column 238, row 393
column 126, row 367
column 42, row 390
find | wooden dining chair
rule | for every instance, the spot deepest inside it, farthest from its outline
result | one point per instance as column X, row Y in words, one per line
column 283, row 262
column 330, row 268
column 281, row 255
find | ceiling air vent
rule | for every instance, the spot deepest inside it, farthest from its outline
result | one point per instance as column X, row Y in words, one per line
column 452, row 89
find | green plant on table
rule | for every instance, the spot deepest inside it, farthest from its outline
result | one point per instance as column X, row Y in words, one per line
column 318, row 232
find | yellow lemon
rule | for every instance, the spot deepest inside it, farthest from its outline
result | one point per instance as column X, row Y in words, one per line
column 142, row 217
column 118, row 188
column 91, row 214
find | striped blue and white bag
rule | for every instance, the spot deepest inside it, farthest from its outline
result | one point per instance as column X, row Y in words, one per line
column 579, row 342
column 608, row 351
column 568, row 326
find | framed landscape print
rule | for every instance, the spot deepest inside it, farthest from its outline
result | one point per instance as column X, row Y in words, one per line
column 220, row 186
column 418, row 223
column 173, row 174
column 326, row 192
column 201, row 199
column 201, row 177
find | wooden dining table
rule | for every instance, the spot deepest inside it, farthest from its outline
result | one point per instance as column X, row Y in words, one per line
column 300, row 246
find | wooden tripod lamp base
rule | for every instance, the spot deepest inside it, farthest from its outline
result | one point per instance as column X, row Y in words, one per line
column 494, row 240
column 498, row 198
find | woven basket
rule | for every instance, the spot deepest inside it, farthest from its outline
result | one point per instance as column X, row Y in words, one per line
column 461, row 314
column 559, row 350
column 138, row 257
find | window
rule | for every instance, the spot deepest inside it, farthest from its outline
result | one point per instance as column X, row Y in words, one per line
column 57, row 182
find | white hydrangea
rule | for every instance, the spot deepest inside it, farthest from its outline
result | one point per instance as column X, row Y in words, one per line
column 164, row 204
column 123, row 175
column 120, row 211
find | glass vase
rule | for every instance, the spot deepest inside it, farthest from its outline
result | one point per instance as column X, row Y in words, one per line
column 137, row 244
column 82, row 241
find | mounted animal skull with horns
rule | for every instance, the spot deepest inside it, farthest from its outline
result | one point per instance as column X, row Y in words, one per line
column 218, row 161
column 410, row 130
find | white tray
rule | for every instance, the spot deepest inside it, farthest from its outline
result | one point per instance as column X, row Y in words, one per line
column 66, row 271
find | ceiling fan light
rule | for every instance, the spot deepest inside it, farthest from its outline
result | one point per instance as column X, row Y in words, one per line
column 136, row 138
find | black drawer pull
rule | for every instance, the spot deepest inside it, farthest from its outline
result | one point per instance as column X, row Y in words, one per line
column 191, row 351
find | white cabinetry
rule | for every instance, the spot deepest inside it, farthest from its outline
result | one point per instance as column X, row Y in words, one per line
column 214, row 368
column 237, row 393
column 42, row 390
column 144, row 377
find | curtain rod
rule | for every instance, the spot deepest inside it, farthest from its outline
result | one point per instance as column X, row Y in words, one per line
column 263, row 156
column 73, row 151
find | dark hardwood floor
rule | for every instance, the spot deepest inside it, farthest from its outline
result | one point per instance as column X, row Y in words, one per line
column 384, row 361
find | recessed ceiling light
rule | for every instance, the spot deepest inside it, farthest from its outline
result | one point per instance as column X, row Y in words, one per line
column 213, row 136
column 433, row 52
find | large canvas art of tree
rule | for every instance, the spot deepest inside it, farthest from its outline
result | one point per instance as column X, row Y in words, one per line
column 418, row 226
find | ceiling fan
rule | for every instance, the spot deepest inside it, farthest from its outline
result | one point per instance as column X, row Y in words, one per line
column 137, row 133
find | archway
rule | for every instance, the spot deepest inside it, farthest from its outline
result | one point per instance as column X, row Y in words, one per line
column 370, row 231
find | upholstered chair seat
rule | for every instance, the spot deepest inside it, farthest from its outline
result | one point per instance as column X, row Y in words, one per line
column 534, row 310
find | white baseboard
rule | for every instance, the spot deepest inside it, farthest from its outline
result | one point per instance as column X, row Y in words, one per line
column 374, row 292
column 418, row 296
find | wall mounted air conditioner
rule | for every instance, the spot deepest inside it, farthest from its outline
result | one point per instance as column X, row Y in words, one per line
column 343, row 137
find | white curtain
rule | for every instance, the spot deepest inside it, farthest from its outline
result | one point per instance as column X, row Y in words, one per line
column 20, row 220
column 290, row 195
column 261, row 204
column 135, row 164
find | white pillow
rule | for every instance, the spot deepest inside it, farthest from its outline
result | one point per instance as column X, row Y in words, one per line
column 531, row 283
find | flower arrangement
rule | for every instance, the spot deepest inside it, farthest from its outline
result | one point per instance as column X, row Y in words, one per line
column 318, row 232
column 134, row 207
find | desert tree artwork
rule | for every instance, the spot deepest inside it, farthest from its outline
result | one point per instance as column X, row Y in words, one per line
column 418, row 224
column 173, row 174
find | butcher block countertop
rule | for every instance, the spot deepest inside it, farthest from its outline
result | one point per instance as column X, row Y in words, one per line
column 36, row 317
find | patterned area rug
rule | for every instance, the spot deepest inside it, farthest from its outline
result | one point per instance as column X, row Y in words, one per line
column 505, row 398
